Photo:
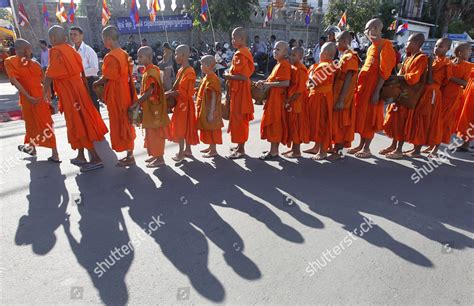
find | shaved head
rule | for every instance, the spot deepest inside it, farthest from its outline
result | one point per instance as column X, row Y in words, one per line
column 183, row 49
column 111, row 32
column 344, row 35
column 57, row 35
column 283, row 44
column 240, row 32
column 375, row 23
column 208, row 60
column 145, row 51
column 20, row 44
column 462, row 47
column 418, row 38
column 446, row 42
column 329, row 48
column 298, row 51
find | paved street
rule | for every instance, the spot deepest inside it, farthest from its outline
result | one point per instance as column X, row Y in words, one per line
column 235, row 232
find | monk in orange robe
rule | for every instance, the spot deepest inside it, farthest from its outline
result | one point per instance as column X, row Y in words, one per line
column 413, row 70
column 465, row 125
column 452, row 92
column 241, row 106
column 295, row 105
column 424, row 122
column 345, row 82
column 273, row 127
column 377, row 68
column 208, row 102
column 83, row 121
column 119, row 93
column 26, row 75
column 154, row 109
column 183, row 121
column 321, row 101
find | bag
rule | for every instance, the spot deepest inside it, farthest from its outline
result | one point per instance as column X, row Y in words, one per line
column 390, row 90
column 135, row 115
column 259, row 95
column 99, row 91
column 171, row 101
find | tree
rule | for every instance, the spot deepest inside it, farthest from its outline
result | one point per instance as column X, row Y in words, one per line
column 357, row 12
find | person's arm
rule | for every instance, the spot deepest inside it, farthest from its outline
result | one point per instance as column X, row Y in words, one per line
column 47, row 88
column 460, row 82
column 345, row 88
column 100, row 81
column 235, row 77
column 262, row 84
column 212, row 109
column 376, row 95
column 23, row 91
column 294, row 97
column 146, row 95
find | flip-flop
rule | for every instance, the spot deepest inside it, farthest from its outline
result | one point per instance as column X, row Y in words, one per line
column 394, row 155
column 268, row 156
column 386, row 151
column 57, row 161
column 353, row 151
column 208, row 155
column 363, row 155
column 235, row 155
column 90, row 167
column 126, row 162
column 78, row 162
column 24, row 149
column 155, row 164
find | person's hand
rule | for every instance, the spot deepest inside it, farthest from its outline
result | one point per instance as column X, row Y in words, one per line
column 339, row 105
column 95, row 84
column 375, row 97
column 32, row 100
column 46, row 94
column 226, row 76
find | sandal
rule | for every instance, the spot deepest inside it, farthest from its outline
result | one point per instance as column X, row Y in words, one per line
column 27, row 150
column 78, row 162
column 209, row 155
column 268, row 156
column 236, row 155
column 363, row 155
column 126, row 162
column 387, row 150
column 395, row 155
column 155, row 164
column 354, row 150
column 57, row 161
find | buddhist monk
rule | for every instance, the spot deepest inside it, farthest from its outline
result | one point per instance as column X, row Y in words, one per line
column 183, row 121
column 321, row 101
column 273, row 127
column 241, row 106
column 83, row 121
column 424, row 122
column 452, row 92
column 465, row 125
column 208, row 103
column 119, row 93
column 295, row 105
column 377, row 68
column 345, row 82
column 26, row 75
column 154, row 109
column 412, row 72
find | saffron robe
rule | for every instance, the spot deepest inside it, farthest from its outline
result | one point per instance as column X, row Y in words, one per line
column 210, row 132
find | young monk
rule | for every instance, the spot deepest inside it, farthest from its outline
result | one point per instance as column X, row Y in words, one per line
column 208, row 103
column 412, row 71
column 295, row 104
column 378, row 66
column 119, row 93
column 452, row 92
column 465, row 125
column 83, row 121
column 274, row 127
column 345, row 81
column 183, row 121
column 424, row 122
column 321, row 101
column 241, row 106
column 152, row 99
column 26, row 75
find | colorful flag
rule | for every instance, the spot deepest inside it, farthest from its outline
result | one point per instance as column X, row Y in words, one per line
column 71, row 13
column 61, row 12
column 23, row 18
column 153, row 8
column 393, row 26
column 269, row 15
column 308, row 17
column 343, row 21
column 402, row 28
column 134, row 12
column 45, row 14
column 105, row 13
column 204, row 10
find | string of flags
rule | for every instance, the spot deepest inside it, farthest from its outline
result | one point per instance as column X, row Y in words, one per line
column 400, row 29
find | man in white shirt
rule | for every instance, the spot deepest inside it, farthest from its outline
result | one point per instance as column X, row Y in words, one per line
column 90, row 61
column 44, row 57
column 317, row 49
column 259, row 52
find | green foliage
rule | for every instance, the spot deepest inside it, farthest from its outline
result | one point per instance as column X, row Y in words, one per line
column 5, row 14
column 358, row 13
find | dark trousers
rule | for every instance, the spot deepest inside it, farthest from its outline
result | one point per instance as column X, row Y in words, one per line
column 95, row 100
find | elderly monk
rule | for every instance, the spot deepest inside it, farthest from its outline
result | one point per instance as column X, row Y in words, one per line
column 83, row 121
column 345, row 82
column 154, row 107
column 378, row 66
column 208, row 102
column 413, row 69
column 26, row 75
column 183, row 121
column 424, row 125
column 273, row 127
column 320, row 101
column 241, row 106
column 465, row 127
column 119, row 92
column 295, row 105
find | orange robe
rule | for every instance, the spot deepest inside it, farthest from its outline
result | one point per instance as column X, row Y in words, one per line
column 296, row 114
column 118, row 98
column 210, row 132
column 83, row 121
column 344, row 120
column 241, row 105
column 38, row 121
column 183, row 121
column 321, row 103
column 452, row 94
column 155, row 138
column 395, row 125
column 369, row 117
column 273, row 126
column 424, row 122
column 465, row 126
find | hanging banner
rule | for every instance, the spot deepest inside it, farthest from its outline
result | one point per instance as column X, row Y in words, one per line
column 173, row 23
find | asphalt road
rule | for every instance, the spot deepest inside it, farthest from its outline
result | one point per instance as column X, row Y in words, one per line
column 236, row 232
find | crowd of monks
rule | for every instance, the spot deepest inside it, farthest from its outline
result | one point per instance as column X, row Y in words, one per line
column 325, row 104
